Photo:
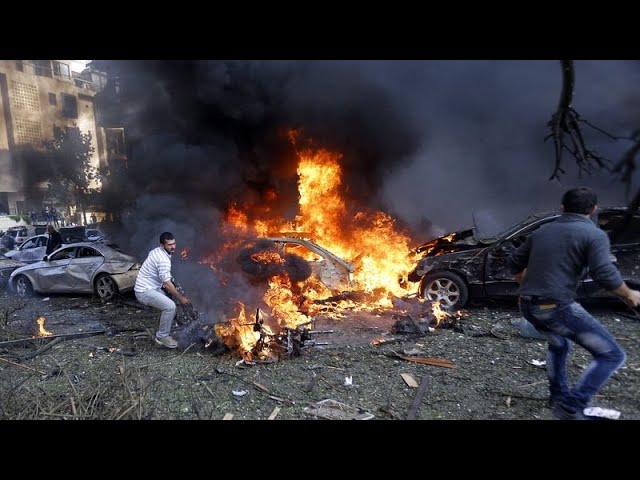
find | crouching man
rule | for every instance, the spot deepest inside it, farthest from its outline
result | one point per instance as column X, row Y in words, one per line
column 154, row 275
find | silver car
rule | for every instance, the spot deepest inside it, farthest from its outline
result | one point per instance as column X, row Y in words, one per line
column 7, row 266
column 32, row 249
column 78, row 268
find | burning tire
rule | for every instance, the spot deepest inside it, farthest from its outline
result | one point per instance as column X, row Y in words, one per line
column 24, row 288
column 447, row 287
column 106, row 288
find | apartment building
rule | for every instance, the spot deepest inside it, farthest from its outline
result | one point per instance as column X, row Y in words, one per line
column 35, row 95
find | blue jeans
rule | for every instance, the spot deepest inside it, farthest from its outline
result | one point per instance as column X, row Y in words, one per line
column 157, row 299
column 563, row 321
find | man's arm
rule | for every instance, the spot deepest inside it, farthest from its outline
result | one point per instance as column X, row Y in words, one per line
column 632, row 297
column 173, row 291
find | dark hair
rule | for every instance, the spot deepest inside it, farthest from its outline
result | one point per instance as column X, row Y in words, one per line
column 579, row 200
column 166, row 236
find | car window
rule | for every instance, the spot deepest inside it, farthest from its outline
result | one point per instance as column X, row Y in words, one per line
column 31, row 243
column 42, row 241
column 88, row 252
column 63, row 254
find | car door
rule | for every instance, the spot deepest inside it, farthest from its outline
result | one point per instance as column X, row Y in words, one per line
column 33, row 249
column 498, row 279
column 25, row 251
column 81, row 268
column 53, row 276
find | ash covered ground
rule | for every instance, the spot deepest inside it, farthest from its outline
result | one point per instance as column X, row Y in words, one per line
column 123, row 374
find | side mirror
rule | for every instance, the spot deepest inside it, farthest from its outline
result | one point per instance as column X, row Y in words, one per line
column 45, row 258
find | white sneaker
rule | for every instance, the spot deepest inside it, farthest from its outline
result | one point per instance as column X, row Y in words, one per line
column 167, row 342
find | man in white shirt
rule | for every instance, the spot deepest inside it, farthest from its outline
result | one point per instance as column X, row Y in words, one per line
column 155, row 274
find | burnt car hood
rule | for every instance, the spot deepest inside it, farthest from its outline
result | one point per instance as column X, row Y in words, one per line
column 453, row 242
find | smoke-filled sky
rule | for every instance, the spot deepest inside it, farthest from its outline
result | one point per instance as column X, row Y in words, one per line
column 427, row 141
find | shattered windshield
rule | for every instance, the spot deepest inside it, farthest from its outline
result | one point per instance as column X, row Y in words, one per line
column 487, row 228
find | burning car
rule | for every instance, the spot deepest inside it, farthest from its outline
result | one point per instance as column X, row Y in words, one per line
column 461, row 266
column 334, row 272
column 79, row 268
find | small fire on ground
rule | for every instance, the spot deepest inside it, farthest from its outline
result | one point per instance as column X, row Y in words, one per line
column 42, row 332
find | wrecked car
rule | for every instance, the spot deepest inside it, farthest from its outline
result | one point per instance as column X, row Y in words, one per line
column 32, row 249
column 333, row 271
column 7, row 266
column 461, row 266
column 300, row 257
column 78, row 268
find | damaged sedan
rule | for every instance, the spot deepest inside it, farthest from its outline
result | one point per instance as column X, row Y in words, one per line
column 78, row 268
column 461, row 266
column 7, row 266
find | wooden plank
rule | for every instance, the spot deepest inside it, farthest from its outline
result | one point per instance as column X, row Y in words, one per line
column 274, row 414
column 418, row 398
column 409, row 380
column 227, row 416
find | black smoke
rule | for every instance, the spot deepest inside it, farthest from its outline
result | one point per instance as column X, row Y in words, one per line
column 434, row 143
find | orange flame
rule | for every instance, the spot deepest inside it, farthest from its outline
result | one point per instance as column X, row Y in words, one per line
column 42, row 332
column 440, row 314
column 368, row 239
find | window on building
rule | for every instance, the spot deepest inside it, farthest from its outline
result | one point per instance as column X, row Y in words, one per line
column 52, row 99
column 61, row 70
column 42, row 68
column 115, row 141
column 69, row 106
column 19, row 66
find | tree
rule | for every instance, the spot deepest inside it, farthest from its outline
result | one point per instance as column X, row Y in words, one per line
column 566, row 131
column 69, row 156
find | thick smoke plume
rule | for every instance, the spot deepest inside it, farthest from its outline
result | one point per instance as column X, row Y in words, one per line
column 436, row 144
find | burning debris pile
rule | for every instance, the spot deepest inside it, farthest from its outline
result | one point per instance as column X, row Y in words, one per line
column 433, row 316
column 354, row 260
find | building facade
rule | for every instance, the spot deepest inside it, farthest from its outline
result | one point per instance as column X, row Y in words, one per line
column 35, row 96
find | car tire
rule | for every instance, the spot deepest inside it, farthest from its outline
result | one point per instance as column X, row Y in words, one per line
column 448, row 287
column 106, row 287
column 23, row 286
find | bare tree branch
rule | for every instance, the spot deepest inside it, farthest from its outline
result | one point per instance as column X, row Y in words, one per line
column 566, row 130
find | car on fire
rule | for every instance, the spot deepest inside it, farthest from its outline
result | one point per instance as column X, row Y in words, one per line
column 334, row 272
column 460, row 266
column 84, row 267
column 7, row 266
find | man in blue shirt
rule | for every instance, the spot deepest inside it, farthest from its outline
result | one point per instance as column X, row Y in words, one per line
column 549, row 267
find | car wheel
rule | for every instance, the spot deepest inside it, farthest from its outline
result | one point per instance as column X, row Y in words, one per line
column 106, row 288
column 447, row 287
column 24, row 288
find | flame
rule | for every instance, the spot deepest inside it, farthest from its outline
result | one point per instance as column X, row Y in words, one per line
column 184, row 253
column 439, row 314
column 369, row 239
column 42, row 332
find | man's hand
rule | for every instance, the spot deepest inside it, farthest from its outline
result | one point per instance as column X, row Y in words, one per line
column 173, row 291
column 632, row 297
